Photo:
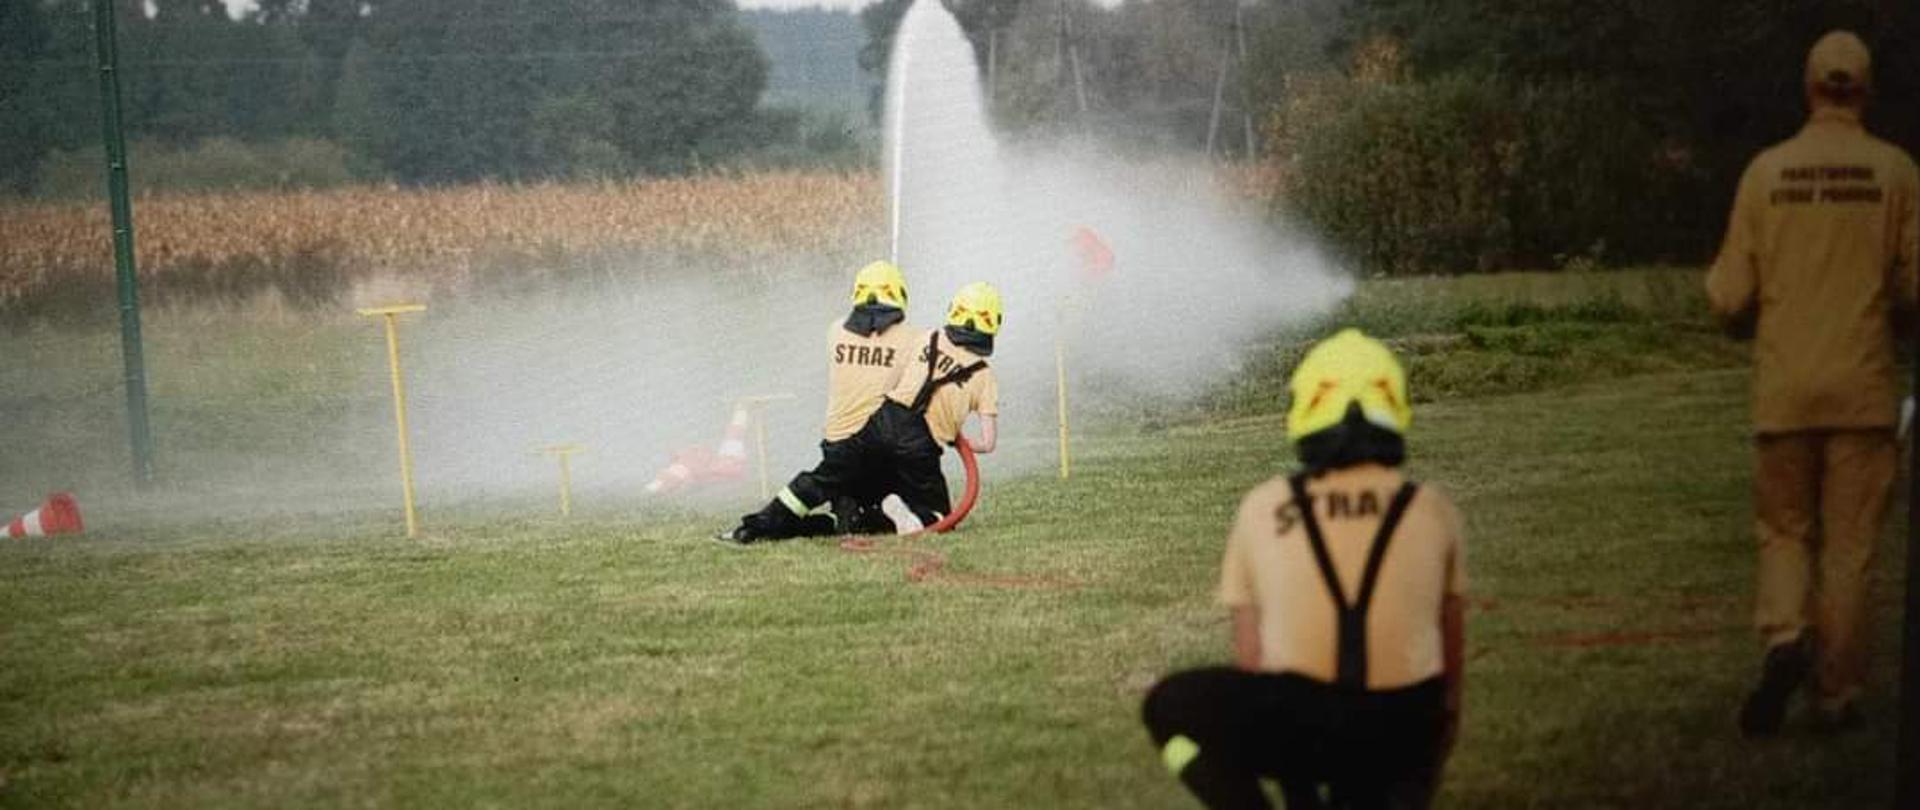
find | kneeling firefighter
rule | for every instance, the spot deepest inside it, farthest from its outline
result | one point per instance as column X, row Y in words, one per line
column 897, row 450
column 865, row 352
column 1345, row 583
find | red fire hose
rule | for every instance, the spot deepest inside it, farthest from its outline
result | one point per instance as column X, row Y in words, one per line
column 967, row 496
column 926, row 563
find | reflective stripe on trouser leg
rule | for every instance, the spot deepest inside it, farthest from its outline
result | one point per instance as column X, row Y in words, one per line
column 1786, row 498
column 792, row 502
column 1178, row 753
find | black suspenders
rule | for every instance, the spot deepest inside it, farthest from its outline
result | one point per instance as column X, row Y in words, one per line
column 959, row 376
column 1352, row 671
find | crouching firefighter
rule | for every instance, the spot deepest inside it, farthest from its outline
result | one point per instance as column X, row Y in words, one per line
column 942, row 380
column 865, row 352
column 1345, row 583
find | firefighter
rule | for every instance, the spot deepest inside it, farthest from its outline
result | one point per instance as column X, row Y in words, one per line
column 1818, row 257
column 865, row 353
column 944, row 378
column 946, row 381
column 1346, row 586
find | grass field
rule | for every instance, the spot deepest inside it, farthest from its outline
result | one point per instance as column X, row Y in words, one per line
column 1591, row 428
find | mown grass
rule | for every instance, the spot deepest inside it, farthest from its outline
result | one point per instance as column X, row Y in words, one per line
column 1502, row 334
column 233, row 400
column 620, row 660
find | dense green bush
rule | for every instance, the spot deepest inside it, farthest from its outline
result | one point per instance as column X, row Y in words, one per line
column 810, row 139
column 1408, row 177
column 1467, row 173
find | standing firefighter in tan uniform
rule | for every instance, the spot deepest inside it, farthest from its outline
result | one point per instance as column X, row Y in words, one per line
column 1346, row 584
column 865, row 353
column 943, row 378
column 1819, row 255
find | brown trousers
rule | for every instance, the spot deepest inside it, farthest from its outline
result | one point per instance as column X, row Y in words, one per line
column 1820, row 499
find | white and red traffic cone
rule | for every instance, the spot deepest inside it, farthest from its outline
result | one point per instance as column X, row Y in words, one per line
column 698, row 465
column 687, row 466
column 59, row 515
column 731, row 460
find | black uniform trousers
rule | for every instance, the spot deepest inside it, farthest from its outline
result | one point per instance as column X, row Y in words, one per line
column 1367, row 749
column 893, row 452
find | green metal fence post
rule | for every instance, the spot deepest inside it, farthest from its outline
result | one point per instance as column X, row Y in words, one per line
column 139, row 432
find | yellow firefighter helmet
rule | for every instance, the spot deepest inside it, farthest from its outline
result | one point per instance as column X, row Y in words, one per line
column 880, row 283
column 1346, row 369
column 977, row 307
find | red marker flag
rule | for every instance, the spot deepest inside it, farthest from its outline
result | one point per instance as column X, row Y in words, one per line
column 1094, row 257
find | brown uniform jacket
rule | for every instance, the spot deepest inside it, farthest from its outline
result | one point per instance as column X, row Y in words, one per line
column 1820, row 249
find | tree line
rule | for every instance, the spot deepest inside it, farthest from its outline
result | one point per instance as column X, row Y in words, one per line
column 427, row 91
column 1415, row 135
column 1445, row 135
column 1497, row 133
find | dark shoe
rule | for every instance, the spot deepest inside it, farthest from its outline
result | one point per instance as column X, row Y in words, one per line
column 855, row 517
column 1838, row 721
column 1785, row 669
column 815, row 526
column 775, row 522
column 737, row 537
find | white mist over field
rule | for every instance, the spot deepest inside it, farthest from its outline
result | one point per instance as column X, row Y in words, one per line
column 635, row 375
column 639, row 374
column 1195, row 276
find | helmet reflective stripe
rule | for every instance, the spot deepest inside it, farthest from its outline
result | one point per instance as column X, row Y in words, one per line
column 880, row 283
column 1348, row 369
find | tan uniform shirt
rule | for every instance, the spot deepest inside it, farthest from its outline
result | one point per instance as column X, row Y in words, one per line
column 951, row 402
column 861, row 371
column 1820, row 247
column 1270, row 567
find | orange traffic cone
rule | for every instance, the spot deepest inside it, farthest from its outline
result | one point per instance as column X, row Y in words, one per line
column 731, row 461
column 698, row 465
column 59, row 515
column 688, row 466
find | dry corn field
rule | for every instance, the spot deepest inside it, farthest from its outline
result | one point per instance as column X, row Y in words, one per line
column 311, row 247
column 442, row 236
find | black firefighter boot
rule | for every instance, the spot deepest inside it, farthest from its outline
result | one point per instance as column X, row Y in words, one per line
column 773, row 522
column 859, row 517
column 1786, row 667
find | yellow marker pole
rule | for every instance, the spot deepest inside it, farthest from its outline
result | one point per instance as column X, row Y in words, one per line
column 760, row 440
column 1060, row 384
column 1064, row 320
column 758, row 404
column 564, row 452
column 400, row 402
